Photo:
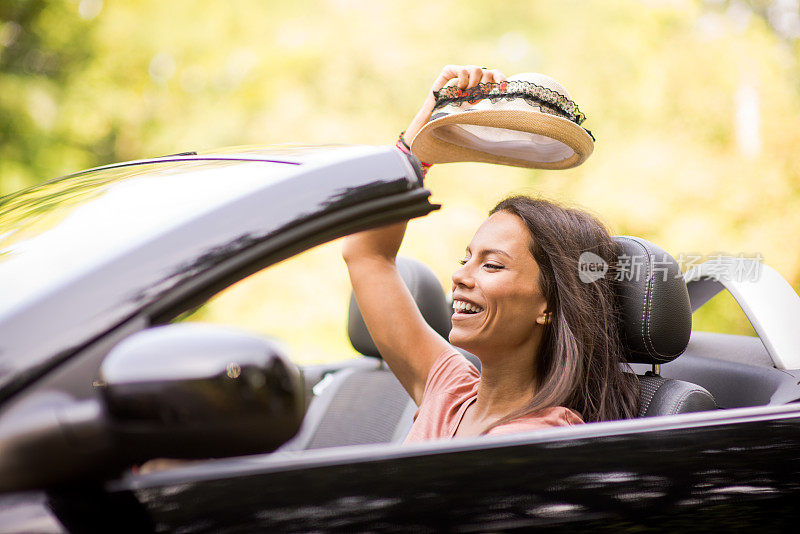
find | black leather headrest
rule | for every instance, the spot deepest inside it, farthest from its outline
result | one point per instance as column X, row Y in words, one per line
column 427, row 293
column 656, row 312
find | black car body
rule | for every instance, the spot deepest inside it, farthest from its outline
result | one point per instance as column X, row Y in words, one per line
column 89, row 260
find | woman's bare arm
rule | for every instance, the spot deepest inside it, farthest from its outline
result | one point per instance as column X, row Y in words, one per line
column 398, row 329
column 404, row 339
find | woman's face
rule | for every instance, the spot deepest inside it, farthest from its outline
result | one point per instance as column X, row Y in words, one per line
column 496, row 296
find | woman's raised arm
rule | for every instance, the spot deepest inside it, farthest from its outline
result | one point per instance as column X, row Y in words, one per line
column 404, row 339
column 398, row 329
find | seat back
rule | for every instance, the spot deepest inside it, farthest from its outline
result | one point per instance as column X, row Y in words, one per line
column 667, row 396
column 355, row 406
column 428, row 295
column 656, row 323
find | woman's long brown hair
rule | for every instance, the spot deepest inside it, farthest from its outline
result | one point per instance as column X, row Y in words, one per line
column 581, row 363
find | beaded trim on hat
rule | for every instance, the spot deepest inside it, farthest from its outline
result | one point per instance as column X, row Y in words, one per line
column 546, row 99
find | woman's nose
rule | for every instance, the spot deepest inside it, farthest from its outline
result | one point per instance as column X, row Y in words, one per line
column 463, row 277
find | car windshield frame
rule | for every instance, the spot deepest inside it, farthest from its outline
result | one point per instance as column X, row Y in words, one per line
column 194, row 244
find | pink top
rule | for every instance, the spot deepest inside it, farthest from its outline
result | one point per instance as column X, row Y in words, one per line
column 451, row 387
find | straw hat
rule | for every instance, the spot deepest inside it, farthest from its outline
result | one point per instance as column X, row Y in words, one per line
column 528, row 121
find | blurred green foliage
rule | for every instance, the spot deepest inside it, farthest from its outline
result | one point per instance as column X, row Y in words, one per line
column 694, row 105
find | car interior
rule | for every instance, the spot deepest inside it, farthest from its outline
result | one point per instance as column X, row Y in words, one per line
column 363, row 403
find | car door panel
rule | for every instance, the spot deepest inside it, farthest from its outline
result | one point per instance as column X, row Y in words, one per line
column 736, row 474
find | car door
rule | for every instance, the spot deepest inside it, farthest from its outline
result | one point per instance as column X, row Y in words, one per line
column 731, row 469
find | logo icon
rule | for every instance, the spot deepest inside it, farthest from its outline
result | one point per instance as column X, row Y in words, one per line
column 591, row 267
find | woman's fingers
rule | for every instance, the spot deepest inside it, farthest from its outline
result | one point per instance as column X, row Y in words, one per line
column 475, row 75
column 463, row 78
column 497, row 75
column 466, row 76
column 448, row 73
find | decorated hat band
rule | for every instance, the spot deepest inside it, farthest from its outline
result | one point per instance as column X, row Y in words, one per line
column 536, row 95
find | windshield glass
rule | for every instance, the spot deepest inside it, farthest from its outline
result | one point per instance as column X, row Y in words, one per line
column 74, row 254
column 31, row 212
column 59, row 228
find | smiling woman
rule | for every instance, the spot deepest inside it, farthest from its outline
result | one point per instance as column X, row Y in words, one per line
column 580, row 357
column 548, row 342
column 497, row 300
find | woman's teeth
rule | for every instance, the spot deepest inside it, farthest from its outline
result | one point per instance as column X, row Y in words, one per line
column 466, row 307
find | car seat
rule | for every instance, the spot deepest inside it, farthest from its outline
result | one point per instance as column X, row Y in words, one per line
column 656, row 323
column 367, row 404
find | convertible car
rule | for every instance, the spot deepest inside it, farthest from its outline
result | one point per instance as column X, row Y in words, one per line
column 99, row 373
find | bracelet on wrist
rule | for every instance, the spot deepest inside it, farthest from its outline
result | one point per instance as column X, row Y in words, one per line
column 403, row 146
column 402, row 140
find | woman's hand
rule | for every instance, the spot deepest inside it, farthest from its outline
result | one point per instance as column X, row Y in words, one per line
column 380, row 243
column 465, row 76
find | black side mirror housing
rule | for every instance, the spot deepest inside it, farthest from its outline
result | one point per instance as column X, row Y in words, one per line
column 178, row 391
column 197, row 391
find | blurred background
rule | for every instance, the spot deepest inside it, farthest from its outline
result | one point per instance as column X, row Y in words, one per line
column 694, row 105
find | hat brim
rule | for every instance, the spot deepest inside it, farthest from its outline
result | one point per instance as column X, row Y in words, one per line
column 431, row 149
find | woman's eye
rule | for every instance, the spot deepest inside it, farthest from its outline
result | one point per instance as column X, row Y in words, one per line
column 462, row 262
column 493, row 266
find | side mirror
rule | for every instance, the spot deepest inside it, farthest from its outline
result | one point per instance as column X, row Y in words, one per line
column 177, row 391
column 196, row 391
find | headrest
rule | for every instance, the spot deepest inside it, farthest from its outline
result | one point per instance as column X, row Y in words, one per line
column 427, row 293
column 654, row 302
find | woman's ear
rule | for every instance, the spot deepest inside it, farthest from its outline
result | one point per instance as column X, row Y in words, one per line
column 545, row 318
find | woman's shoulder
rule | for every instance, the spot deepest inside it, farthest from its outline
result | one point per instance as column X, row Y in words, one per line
column 450, row 373
column 549, row 417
